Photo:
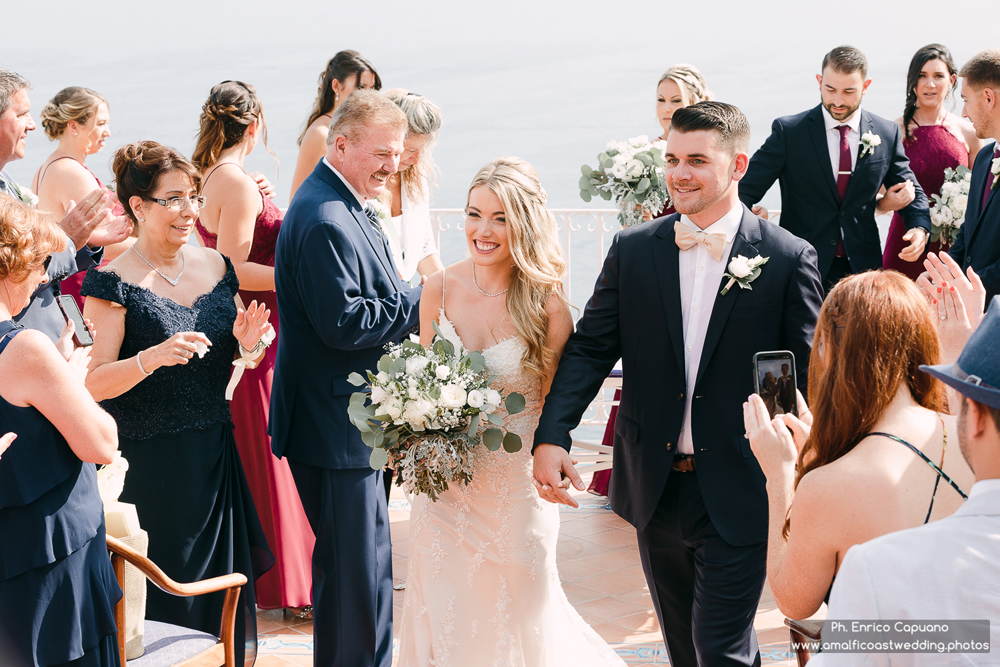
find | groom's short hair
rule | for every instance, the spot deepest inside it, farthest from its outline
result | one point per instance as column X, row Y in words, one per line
column 720, row 117
column 846, row 60
column 982, row 70
column 365, row 108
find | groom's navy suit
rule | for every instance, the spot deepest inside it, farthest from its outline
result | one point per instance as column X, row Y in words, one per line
column 978, row 242
column 797, row 155
column 702, row 534
column 340, row 300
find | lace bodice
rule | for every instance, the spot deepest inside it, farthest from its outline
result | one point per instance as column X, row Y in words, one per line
column 173, row 398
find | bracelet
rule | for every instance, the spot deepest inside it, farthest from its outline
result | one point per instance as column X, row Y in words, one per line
column 248, row 354
column 138, row 362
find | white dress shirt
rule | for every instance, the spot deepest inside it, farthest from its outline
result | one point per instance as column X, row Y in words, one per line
column 833, row 138
column 700, row 283
column 361, row 200
column 411, row 235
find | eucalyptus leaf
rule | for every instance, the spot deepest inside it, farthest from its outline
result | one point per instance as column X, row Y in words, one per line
column 379, row 439
column 628, row 198
column 643, row 185
column 382, row 418
column 495, row 419
column 378, row 459
column 368, row 437
column 512, row 442
column 645, row 158
column 474, row 423
column 603, row 157
column 605, row 195
column 398, row 366
column 434, row 393
column 362, row 425
column 412, row 346
column 449, row 347
column 477, row 361
column 586, row 170
column 356, row 379
column 385, row 363
column 607, row 163
column 584, row 182
column 493, row 439
column 585, row 195
column 658, row 161
column 515, row 403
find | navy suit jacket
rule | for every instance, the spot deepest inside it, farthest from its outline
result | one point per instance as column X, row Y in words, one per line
column 340, row 300
column 978, row 241
column 635, row 315
column 797, row 155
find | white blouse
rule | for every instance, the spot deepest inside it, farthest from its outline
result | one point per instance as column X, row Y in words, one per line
column 411, row 236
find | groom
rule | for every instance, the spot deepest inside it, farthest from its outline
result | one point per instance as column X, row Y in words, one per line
column 340, row 300
column 684, row 474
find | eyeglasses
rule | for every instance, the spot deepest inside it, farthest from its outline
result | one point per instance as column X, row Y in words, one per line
column 180, row 203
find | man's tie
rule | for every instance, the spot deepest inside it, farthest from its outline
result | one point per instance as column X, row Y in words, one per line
column 687, row 238
column 373, row 218
column 989, row 180
column 844, row 172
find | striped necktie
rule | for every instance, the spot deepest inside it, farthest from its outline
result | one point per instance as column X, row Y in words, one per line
column 373, row 218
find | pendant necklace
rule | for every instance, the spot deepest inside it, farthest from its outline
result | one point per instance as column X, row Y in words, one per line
column 172, row 281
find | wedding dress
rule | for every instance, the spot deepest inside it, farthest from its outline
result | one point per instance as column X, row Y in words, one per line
column 482, row 587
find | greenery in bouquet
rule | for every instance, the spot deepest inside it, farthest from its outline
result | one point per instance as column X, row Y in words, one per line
column 631, row 173
column 427, row 409
column 948, row 208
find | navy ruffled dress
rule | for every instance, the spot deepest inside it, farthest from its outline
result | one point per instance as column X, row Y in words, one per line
column 57, row 586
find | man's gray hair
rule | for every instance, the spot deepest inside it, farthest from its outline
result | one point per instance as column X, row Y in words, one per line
column 10, row 84
column 365, row 108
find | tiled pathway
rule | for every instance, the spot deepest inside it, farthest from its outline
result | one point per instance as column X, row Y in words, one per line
column 599, row 566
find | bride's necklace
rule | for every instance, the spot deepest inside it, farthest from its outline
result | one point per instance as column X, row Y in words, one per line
column 474, row 281
column 172, row 281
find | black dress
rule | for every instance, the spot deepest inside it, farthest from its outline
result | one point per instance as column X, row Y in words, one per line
column 57, row 587
column 185, row 477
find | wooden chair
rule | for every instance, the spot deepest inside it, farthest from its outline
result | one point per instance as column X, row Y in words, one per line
column 602, row 455
column 802, row 633
column 171, row 645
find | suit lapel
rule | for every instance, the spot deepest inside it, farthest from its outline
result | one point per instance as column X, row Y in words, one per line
column 818, row 132
column 746, row 238
column 666, row 258
column 976, row 185
column 861, row 170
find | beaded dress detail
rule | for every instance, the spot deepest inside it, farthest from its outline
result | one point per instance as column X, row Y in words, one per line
column 482, row 587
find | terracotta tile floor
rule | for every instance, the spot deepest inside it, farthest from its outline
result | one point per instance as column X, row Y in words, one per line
column 599, row 566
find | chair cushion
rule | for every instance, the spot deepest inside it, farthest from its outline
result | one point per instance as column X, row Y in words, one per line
column 168, row 644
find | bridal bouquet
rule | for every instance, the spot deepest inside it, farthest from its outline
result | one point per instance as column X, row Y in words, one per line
column 948, row 208
column 425, row 410
column 631, row 172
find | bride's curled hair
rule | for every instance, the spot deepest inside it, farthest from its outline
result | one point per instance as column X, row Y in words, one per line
column 534, row 247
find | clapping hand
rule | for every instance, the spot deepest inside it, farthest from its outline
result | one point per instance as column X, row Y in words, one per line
column 251, row 324
column 113, row 230
column 776, row 442
column 264, row 184
column 942, row 269
column 85, row 217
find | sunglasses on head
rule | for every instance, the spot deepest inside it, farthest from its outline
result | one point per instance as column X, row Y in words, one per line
column 45, row 264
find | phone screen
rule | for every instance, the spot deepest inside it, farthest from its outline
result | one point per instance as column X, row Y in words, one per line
column 775, row 381
column 71, row 311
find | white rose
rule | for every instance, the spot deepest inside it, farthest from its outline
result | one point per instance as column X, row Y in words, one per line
column 739, row 267
column 949, row 190
column 476, row 398
column 382, row 377
column 412, row 393
column 935, row 217
column 416, row 364
column 634, row 168
column 393, row 411
column 379, row 395
column 946, row 216
column 960, row 203
column 641, row 140
column 612, row 145
column 493, row 397
column 442, row 372
column 452, row 396
column 415, row 411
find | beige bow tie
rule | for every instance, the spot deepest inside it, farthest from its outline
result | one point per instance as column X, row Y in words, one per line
column 687, row 239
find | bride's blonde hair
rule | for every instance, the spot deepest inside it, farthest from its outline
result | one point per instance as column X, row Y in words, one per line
column 534, row 247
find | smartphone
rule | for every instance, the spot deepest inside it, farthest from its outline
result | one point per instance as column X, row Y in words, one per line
column 71, row 311
column 775, row 381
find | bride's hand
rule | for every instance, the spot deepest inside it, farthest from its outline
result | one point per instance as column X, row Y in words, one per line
column 550, row 464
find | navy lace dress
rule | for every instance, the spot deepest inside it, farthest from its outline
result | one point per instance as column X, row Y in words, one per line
column 57, row 587
column 185, row 476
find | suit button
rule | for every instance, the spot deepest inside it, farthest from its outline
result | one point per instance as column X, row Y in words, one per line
column 842, row 214
column 670, row 446
column 680, row 396
column 833, row 241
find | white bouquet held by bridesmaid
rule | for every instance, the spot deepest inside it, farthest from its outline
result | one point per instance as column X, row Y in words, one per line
column 425, row 411
column 948, row 208
column 632, row 173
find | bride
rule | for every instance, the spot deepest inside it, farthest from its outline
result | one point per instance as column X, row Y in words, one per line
column 483, row 587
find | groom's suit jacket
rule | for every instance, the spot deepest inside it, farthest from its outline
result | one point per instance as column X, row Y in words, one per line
column 797, row 155
column 340, row 299
column 635, row 315
column 978, row 241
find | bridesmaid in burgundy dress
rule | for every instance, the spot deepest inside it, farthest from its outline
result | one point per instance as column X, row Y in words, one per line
column 240, row 221
column 680, row 86
column 934, row 139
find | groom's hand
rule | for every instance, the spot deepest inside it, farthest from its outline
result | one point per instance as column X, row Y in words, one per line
column 550, row 465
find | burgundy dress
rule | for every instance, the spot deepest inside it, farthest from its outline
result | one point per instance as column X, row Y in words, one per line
column 289, row 582
column 931, row 150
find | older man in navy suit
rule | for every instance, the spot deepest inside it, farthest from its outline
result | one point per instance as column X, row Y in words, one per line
column 684, row 474
column 341, row 300
column 831, row 162
column 978, row 242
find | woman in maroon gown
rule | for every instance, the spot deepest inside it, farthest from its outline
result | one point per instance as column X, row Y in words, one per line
column 242, row 223
column 680, row 86
column 934, row 139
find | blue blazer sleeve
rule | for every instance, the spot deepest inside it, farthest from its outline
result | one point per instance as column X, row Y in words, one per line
column 590, row 354
column 917, row 213
column 341, row 316
column 765, row 167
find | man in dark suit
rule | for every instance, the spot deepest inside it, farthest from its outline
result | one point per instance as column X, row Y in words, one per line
column 684, row 474
column 786, row 390
column 831, row 162
column 978, row 242
column 340, row 299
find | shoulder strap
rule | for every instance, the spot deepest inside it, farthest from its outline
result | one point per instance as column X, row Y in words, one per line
column 218, row 167
column 46, row 170
column 8, row 329
column 934, row 466
column 444, row 282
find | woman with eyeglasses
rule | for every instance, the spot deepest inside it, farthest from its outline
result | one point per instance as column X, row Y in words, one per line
column 57, row 587
column 171, row 324
column 242, row 223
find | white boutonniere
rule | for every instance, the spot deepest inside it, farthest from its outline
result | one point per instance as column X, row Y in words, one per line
column 381, row 210
column 744, row 271
column 869, row 140
column 26, row 195
column 995, row 170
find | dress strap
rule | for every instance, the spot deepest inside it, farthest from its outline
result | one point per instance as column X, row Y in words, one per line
column 934, row 466
column 219, row 166
column 444, row 282
column 41, row 176
column 8, row 329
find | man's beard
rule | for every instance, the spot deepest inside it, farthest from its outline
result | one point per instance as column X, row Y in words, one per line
column 850, row 111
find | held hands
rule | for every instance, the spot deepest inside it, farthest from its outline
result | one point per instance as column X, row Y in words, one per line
column 917, row 239
column 776, row 442
column 552, row 474
column 251, row 324
column 83, row 218
column 898, row 196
